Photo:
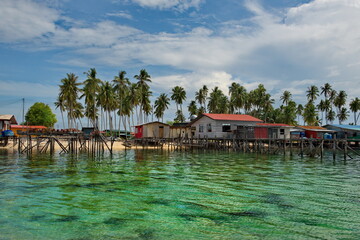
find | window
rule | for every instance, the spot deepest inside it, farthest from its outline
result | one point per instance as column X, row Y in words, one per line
column 201, row 128
column 208, row 126
column 226, row 128
column 282, row 131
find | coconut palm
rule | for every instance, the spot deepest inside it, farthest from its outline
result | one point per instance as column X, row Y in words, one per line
column 321, row 107
column 326, row 89
column 205, row 91
column 179, row 117
column 310, row 114
column 61, row 105
column 355, row 107
column 178, row 95
column 192, row 108
column 144, row 90
column 237, row 96
column 121, row 88
column 161, row 104
column 299, row 111
column 343, row 115
column 340, row 101
column 107, row 101
column 330, row 116
column 286, row 97
column 312, row 93
column 69, row 90
column 90, row 91
column 289, row 113
column 218, row 102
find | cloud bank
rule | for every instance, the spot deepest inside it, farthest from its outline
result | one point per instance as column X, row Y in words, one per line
column 313, row 43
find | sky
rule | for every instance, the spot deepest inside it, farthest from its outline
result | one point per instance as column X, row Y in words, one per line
column 283, row 44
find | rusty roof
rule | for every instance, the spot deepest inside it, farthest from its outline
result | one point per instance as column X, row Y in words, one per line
column 232, row 117
column 313, row 128
column 273, row 125
column 28, row 127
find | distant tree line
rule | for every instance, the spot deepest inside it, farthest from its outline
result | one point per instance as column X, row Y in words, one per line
column 120, row 102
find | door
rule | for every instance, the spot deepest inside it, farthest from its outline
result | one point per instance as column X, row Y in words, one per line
column 161, row 131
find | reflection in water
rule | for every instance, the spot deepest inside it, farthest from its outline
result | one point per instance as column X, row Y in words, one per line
column 159, row 194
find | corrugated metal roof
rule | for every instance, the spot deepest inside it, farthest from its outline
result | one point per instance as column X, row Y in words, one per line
column 273, row 124
column 232, row 117
column 152, row 123
column 8, row 117
column 346, row 127
column 315, row 128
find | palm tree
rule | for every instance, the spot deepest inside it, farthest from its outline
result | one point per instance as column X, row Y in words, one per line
column 330, row 116
column 321, row 107
column 312, row 93
column 178, row 95
column 218, row 102
column 299, row 111
column 289, row 113
column 310, row 114
column 343, row 115
column 286, row 97
column 161, row 104
column 339, row 102
column 326, row 91
column 121, row 88
column 106, row 99
column 144, row 90
column 355, row 107
column 179, row 117
column 192, row 108
column 69, row 94
column 90, row 91
column 61, row 105
column 205, row 91
column 237, row 96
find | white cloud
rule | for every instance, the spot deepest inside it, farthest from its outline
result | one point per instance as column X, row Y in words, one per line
column 121, row 14
column 24, row 19
column 317, row 41
column 166, row 4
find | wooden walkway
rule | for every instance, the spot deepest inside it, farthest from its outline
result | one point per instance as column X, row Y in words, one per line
column 98, row 144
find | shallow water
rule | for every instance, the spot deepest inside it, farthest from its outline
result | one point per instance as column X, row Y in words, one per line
column 156, row 194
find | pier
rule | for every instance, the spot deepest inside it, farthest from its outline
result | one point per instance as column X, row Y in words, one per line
column 99, row 144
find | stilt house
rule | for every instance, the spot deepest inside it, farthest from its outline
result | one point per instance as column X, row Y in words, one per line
column 221, row 125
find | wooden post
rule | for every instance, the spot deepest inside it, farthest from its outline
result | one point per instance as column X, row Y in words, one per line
column 334, row 147
column 302, row 147
column 345, row 147
column 322, row 149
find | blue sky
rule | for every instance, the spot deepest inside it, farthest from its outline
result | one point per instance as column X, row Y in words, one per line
column 284, row 44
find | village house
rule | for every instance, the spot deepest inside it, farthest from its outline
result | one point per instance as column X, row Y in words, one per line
column 152, row 130
column 6, row 121
column 272, row 131
column 316, row 132
column 345, row 131
column 221, row 125
column 181, row 130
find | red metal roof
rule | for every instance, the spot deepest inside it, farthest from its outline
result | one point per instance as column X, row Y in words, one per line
column 232, row 117
column 28, row 127
column 273, row 124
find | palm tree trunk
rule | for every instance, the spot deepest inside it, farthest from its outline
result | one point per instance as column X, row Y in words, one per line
column 62, row 117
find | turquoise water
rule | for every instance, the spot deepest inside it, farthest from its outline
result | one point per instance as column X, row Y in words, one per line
column 156, row 194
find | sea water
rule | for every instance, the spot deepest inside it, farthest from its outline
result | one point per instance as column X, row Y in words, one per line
column 155, row 194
